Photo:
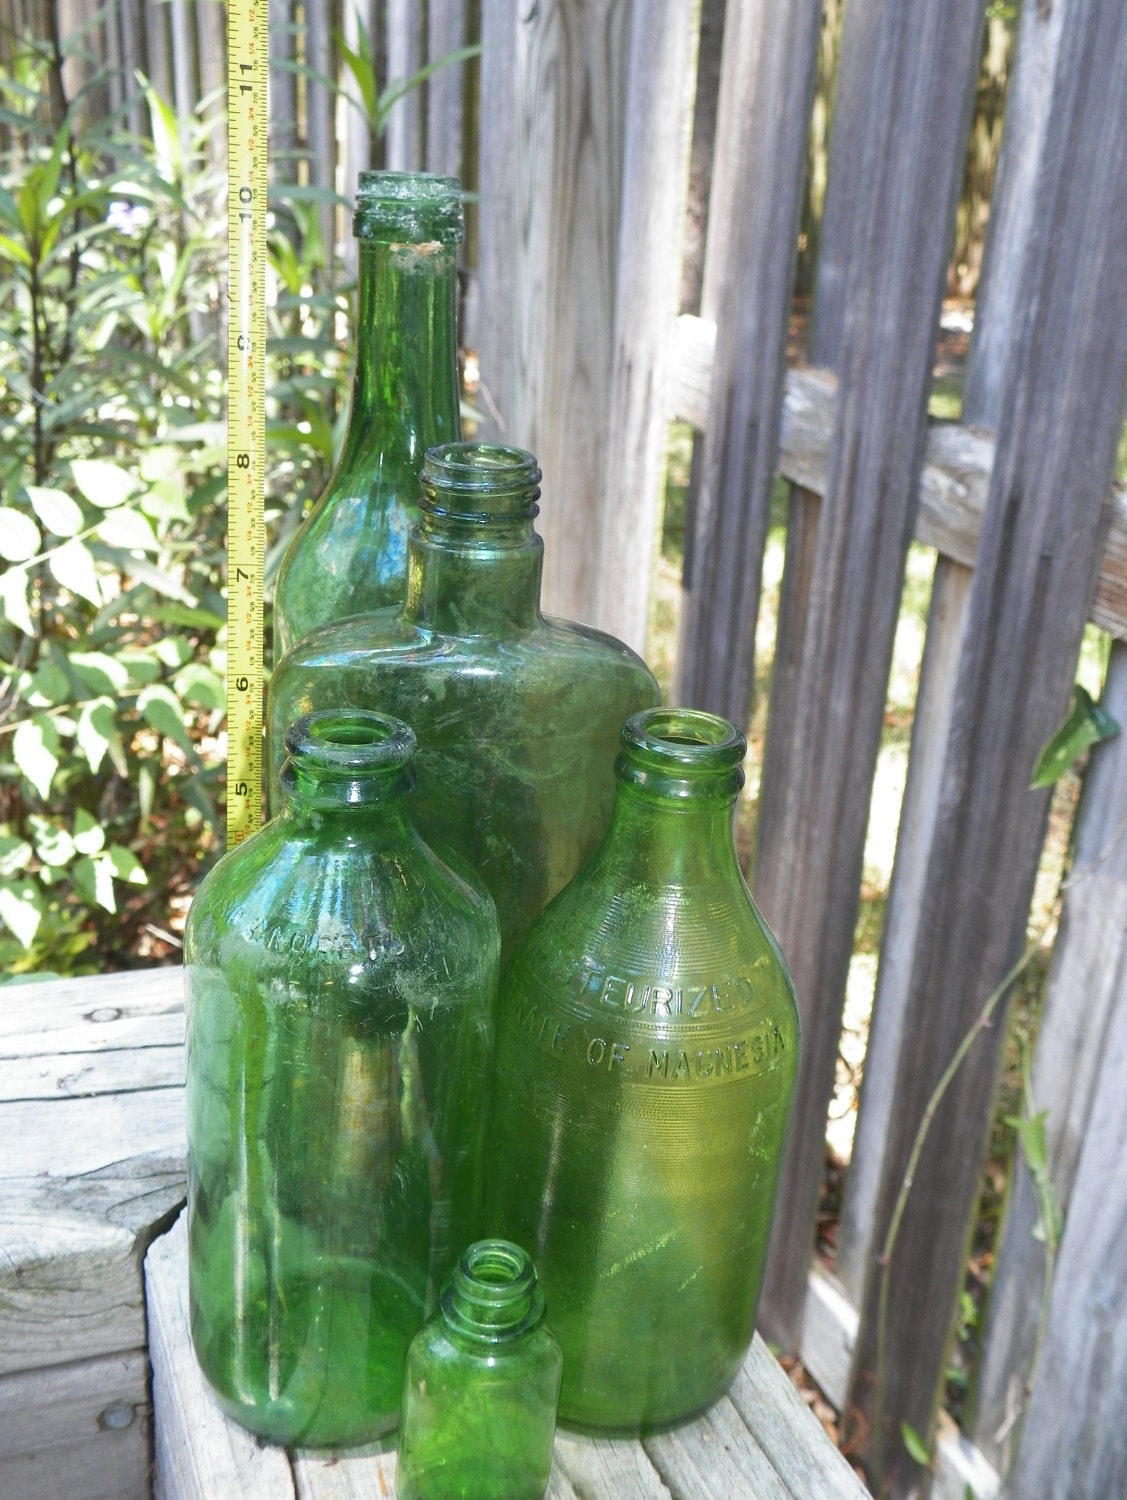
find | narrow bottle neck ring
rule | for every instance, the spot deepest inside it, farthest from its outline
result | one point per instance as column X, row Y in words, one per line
column 683, row 756
column 408, row 208
column 493, row 1295
column 347, row 758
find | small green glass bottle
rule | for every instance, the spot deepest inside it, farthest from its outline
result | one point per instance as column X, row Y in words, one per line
column 481, row 1386
column 339, row 983
column 351, row 552
column 647, row 1043
column 517, row 715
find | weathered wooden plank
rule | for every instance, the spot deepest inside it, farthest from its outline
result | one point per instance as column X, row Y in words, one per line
column 788, row 1432
column 406, row 43
column 1086, row 985
column 829, row 1332
column 446, row 32
column 654, row 178
column 770, row 53
column 919, row 86
column 76, row 1136
column 1073, row 1440
column 608, row 1466
column 550, row 240
column 320, row 138
column 80, row 1429
column 361, row 1474
column 199, row 1454
column 283, row 91
column 1036, row 561
column 713, row 1458
column 142, row 1008
column 84, row 1074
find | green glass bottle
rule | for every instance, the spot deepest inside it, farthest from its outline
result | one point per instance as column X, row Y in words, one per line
column 647, row 1043
column 351, row 553
column 481, row 1386
column 339, row 983
column 517, row 715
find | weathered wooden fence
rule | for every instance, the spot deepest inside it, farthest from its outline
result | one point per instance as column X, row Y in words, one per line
column 574, row 130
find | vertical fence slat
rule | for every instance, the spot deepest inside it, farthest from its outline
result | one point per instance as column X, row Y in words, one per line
column 446, row 32
column 920, row 84
column 496, row 235
column 995, row 328
column 320, row 140
column 184, row 90
column 770, row 57
column 158, row 50
column 406, row 21
column 1034, row 570
column 283, row 92
column 132, row 62
column 1073, row 1440
column 213, row 59
column 353, row 134
column 659, row 96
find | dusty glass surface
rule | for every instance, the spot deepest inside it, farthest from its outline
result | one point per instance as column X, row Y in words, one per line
column 339, row 984
column 647, row 1043
column 517, row 715
column 481, row 1385
column 351, row 552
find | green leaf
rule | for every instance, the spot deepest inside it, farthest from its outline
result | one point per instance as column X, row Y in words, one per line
column 1031, row 1132
column 49, row 685
column 1086, row 724
column 95, row 731
column 19, row 535
column 14, row 855
column 93, row 879
column 915, row 1444
column 126, row 865
column 161, row 708
column 142, row 666
column 89, row 835
column 128, row 528
column 103, row 484
column 99, row 673
column 194, row 619
column 21, row 910
column 200, row 686
column 73, row 566
column 173, row 650
column 53, row 844
column 13, row 600
column 35, row 747
column 58, row 512
column 164, row 501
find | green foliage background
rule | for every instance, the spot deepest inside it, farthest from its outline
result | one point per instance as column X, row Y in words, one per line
column 112, row 516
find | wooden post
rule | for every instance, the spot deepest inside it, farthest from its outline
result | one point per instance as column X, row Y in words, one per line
column 1057, row 437
column 770, row 53
column 996, row 322
column 446, row 32
column 405, row 55
column 921, row 73
column 659, row 96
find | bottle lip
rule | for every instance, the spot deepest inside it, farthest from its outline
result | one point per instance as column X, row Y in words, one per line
column 494, row 1293
column 348, row 743
column 682, row 752
column 480, row 482
column 412, row 207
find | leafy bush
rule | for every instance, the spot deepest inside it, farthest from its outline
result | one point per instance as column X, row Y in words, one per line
column 112, row 523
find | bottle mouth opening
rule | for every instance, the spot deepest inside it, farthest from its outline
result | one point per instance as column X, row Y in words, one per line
column 684, row 739
column 497, row 1268
column 480, row 482
column 493, row 1293
column 349, row 742
column 412, row 206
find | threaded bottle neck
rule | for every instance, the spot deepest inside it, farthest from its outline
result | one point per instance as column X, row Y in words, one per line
column 342, row 758
column 493, row 1295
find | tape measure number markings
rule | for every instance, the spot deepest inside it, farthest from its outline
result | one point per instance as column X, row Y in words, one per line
column 246, row 408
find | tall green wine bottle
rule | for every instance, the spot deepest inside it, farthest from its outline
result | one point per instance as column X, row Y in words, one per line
column 351, row 553
column 339, row 984
column 647, row 1042
column 517, row 716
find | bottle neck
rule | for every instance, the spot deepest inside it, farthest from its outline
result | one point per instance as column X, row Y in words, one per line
column 341, row 759
column 474, row 578
column 655, row 840
column 405, row 392
column 493, row 1295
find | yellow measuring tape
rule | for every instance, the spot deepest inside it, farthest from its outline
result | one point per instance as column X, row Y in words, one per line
column 246, row 408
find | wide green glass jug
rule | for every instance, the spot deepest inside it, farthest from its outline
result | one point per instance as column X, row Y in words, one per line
column 647, row 1042
column 351, row 552
column 481, row 1386
column 339, row 983
column 517, row 715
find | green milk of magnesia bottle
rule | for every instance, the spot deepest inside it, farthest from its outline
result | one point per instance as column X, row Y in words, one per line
column 340, row 984
column 351, row 553
column 647, row 1044
column 517, row 715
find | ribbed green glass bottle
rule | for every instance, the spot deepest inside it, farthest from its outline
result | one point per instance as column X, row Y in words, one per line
column 647, row 1042
column 517, row 715
column 339, row 985
column 351, row 553
column 481, row 1386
